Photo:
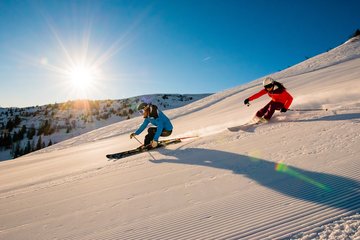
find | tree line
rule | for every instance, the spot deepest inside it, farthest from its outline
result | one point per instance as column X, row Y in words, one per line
column 12, row 137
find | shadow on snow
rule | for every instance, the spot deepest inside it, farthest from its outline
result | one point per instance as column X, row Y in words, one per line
column 321, row 188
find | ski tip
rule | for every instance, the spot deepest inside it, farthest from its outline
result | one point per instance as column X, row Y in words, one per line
column 182, row 138
column 231, row 129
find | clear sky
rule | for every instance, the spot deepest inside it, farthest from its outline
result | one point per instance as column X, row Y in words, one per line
column 54, row 51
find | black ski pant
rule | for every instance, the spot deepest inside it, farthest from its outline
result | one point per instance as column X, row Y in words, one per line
column 151, row 133
column 269, row 110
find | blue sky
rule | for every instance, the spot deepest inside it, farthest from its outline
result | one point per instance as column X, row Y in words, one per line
column 130, row 48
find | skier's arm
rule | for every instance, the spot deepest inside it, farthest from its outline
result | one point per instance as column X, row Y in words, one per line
column 159, row 130
column 289, row 100
column 257, row 95
column 142, row 127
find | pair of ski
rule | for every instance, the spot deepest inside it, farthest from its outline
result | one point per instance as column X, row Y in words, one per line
column 142, row 148
column 247, row 127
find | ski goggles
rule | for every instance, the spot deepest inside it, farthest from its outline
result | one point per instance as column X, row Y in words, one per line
column 269, row 86
column 142, row 111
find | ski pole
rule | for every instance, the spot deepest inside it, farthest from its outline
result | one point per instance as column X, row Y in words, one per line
column 146, row 151
column 308, row 109
column 137, row 140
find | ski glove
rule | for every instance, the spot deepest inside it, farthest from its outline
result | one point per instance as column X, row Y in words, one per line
column 154, row 143
column 283, row 110
column 132, row 135
column 246, row 101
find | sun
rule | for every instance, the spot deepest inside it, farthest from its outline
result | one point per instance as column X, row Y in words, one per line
column 81, row 77
column 82, row 80
column 82, row 67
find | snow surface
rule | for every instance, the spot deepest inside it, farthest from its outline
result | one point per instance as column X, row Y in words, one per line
column 297, row 177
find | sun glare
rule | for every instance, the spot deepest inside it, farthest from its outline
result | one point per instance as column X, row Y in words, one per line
column 81, row 71
column 81, row 78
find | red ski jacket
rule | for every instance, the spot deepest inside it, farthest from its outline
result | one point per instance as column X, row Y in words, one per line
column 277, row 95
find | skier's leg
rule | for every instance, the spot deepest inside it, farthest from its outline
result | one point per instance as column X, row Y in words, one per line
column 271, row 109
column 166, row 133
column 150, row 136
column 262, row 111
column 151, row 133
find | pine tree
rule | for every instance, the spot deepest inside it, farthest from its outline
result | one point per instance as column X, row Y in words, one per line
column 15, row 136
column 17, row 151
column 356, row 33
column 27, row 148
column 2, row 140
column 22, row 132
column 31, row 132
column 17, row 120
column 68, row 129
column 8, row 140
column 10, row 125
column 32, row 146
column 39, row 143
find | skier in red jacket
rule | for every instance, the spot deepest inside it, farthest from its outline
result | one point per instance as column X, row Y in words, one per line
column 280, row 99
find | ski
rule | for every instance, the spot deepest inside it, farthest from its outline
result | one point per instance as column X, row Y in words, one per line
column 142, row 149
column 244, row 127
column 247, row 126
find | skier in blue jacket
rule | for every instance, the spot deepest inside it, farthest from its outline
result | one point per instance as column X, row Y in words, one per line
column 156, row 117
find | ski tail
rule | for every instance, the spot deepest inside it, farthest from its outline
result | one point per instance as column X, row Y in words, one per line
column 167, row 141
column 179, row 139
column 252, row 123
column 182, row 138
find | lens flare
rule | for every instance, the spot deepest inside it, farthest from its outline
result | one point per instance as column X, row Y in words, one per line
column 281, row 167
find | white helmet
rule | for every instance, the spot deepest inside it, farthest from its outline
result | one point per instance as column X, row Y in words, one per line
column 268, row 81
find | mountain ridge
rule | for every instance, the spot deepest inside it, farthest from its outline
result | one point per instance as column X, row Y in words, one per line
column 24, row 130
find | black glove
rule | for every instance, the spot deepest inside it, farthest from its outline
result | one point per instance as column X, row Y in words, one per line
column 283, row 110
column 246, row 101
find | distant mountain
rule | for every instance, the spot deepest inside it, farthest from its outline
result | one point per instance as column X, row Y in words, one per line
column 24, row 130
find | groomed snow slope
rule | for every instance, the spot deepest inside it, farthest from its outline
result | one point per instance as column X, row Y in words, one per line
column 296, row 177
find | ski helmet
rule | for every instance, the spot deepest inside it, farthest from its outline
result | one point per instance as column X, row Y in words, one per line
column 141, row 106
column 268, row 82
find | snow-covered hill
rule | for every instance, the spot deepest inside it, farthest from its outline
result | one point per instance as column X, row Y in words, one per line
column 23, row 130
column 297, row 177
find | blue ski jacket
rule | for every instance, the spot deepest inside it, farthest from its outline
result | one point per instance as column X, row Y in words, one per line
column 162, row 122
